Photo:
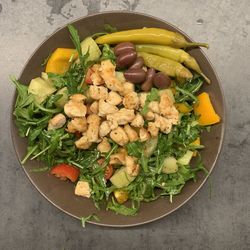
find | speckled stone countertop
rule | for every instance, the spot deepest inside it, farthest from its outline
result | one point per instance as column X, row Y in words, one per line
column 28, row 221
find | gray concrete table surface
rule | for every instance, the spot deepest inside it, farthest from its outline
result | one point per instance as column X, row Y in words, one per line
column 28, row 221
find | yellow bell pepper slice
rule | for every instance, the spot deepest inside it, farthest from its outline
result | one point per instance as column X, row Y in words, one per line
column 205, row 110
column 59, row 61
column 183, row 108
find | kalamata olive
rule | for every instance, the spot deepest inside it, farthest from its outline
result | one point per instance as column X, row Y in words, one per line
column 148, row 84
column 135, row 75
column 124, row 48
column 126, row 59
column 137, row 64
column 161, row 80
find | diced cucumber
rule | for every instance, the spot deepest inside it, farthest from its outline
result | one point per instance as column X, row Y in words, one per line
column 41, row 89
column 121, row 179
column 170, row 165
column 64, row 99
column 150, row 146
column 186, row 158
column 89, row 45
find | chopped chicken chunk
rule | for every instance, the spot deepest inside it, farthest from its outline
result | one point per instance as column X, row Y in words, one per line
column 131, row 100
column 95, row 76
column 154, row 107
column 131, row 133
column 119, row 136
column 104, row 128
column 104, row 146
column 127, row 88
column 118, row 158
column 150, row 116
column 114, row 98
column 106, row 108
column 122, row 117
column 164, row 124
column 78, row 124
column 93, row 127
column 98, row 92
column 107, row 72
column 138, row 121
column 83, row 142
column 142, row 98
column 56, row 122
column 132, row 168
column 83, row 189
column 94, row 107
column 75, row 108
column 78, row 98
column 152, row 129
column 144, row 135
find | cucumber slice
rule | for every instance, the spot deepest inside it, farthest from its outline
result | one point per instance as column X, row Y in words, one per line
column 41, row 89
column 121, row 179
column 186, row 158
column 170, row 165
column 64, row 99
column 89, row 45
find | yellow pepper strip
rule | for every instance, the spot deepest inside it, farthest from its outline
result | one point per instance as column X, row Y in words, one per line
column 195, row 143
column 59, row 61
column 121, row 196
column 174, row 54
column 182, row 108
column 148, row 35
column 165, row 65
column 205, row 110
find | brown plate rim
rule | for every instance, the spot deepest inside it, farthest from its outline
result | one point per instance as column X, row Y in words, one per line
column 222, row 136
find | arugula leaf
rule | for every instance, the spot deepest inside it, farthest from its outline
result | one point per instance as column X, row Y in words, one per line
column 89, row 218
column 108, row 54
column 76, row 40
column 135, row 148
column 122, row 209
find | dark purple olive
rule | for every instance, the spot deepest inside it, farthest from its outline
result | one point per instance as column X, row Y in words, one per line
column 135, row 75
column 124, row 48
column 137, row 64
column 126, row 59
column 161, row 80
column 148, row 84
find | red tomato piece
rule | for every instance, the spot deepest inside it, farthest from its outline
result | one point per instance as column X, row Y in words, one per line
column 65, row 171
column 108, row 172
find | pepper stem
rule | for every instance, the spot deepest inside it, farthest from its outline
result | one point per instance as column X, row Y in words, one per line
column 197, row 45
column 206, row 79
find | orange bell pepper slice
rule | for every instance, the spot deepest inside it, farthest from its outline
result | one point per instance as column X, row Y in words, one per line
column 205, row 110
column 59, row 61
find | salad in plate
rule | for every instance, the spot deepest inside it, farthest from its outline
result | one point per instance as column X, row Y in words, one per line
column 120, row 115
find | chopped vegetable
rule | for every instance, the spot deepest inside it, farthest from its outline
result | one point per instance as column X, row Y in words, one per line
column 117, row 136
column 177, row 55
column 40, row 89
column 186, row 158
column 121, row 196
column 170, row 165
column 148, row 35
column 65, row 171
column 205, row 110
column 88, row 45
column 60, row 60
column 165, row 65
